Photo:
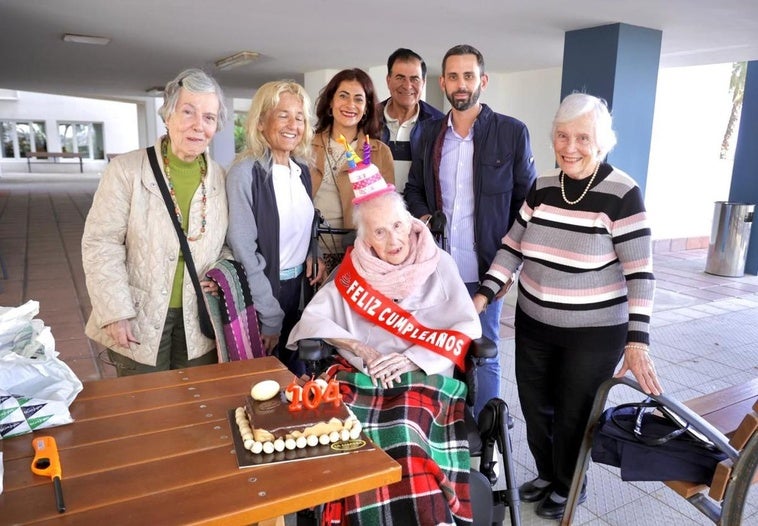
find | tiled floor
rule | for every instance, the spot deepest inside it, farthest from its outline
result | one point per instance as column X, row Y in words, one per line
column 704, row 336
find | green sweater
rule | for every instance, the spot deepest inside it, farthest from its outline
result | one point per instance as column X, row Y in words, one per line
column 185, row 177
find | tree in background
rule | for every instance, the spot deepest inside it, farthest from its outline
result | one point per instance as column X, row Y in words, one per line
column 239, row 132
column 737, row 89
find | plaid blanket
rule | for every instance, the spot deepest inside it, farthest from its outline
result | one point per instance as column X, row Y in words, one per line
column 419, row 423
column 233, row 313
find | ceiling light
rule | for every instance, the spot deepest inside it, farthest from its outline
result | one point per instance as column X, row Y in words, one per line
column 155, row 91
column 86, row 39
column 236, row 60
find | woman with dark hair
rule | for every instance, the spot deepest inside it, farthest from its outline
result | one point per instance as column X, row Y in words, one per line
column 347, row 106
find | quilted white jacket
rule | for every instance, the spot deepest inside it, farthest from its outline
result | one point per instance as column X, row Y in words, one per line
column 129, row 253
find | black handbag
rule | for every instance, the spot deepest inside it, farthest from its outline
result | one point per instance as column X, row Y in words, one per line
column 206, row 326
column 648, row 446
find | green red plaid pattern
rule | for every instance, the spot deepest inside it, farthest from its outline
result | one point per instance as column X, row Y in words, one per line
column 420, row 424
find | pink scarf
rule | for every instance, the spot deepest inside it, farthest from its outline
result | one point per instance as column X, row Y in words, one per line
column 399, row 281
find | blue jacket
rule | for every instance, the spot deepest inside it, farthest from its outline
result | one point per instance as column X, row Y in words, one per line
column 425, row 112
column 503, row 173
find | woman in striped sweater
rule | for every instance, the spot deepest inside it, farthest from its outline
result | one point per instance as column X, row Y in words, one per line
column 585, row 293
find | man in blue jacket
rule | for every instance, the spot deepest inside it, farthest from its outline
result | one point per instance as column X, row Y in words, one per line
column 476, row 167
column 404, row 110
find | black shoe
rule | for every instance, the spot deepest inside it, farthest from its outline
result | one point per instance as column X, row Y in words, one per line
column 528, row 492
column 549, row 509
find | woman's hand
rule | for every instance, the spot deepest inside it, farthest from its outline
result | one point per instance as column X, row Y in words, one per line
column 208, row 285
column 638, row 361
column 269, row 342
column 121, row 332
column 480, row 302
column 320, row 275
column 386, row 369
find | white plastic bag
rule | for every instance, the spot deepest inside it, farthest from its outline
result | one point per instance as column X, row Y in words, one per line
column 36, row 387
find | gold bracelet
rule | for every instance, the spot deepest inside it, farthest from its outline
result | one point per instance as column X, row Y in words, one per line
column 636, row 346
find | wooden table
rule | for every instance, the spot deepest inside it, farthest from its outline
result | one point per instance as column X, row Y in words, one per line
column 157, row 449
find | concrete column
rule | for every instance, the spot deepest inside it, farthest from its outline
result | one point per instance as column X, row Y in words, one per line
column 744, row 186
column 222, row 146
column 149, row 124
column 619, row 63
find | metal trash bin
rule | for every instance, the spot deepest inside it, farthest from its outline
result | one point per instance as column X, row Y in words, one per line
column 730, row 233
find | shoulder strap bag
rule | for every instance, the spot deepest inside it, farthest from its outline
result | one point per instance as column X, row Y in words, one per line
column 206, row 327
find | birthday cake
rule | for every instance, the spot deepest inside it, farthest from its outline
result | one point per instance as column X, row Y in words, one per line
column 276, row 424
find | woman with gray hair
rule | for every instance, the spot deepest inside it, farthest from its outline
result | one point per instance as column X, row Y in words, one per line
column 271, row 212
column 585, row 293
column 144, row 307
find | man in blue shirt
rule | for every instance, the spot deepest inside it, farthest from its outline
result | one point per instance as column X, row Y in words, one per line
column 476, row 167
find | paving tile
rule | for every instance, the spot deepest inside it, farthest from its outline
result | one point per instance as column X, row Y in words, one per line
column 85, row 368
column 672, row 316
column 709, row 367
column 11, row 292
column 706, row 294
column 709, row 308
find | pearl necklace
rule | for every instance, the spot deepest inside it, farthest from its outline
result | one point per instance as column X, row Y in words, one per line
column 203, row 173
column 562, row 177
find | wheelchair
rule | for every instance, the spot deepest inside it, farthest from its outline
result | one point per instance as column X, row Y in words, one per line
column 490, row 431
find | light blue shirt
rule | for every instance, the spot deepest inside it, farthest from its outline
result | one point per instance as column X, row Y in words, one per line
column 457, row 188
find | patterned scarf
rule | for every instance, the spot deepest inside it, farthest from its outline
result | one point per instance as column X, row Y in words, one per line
column 399, row 281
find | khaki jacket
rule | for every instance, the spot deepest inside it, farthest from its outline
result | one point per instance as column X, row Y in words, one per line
column 380, row 156
column 130, row 250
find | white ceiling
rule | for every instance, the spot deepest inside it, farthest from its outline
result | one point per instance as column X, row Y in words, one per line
column 152, row 40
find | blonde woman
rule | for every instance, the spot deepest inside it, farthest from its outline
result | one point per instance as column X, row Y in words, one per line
column 271, row 212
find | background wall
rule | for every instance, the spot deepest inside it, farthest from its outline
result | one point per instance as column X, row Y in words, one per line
column 120, row 128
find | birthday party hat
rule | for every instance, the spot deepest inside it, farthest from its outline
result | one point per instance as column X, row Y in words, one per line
column 365, row 177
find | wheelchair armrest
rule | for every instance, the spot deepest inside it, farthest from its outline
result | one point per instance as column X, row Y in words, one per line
column 312, row 350
column 482, row 348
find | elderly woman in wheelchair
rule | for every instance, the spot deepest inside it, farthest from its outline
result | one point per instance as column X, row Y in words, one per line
column 401, row 321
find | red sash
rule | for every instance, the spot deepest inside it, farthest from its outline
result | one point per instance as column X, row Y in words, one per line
column 385, row 313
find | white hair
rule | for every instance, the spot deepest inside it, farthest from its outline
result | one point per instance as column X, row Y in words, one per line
column 393, row 199
column 195, row 81
column 578, row 104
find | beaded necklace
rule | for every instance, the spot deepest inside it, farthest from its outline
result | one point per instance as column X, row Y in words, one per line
column 203, row 173
column 336, row 157
column 562, row 177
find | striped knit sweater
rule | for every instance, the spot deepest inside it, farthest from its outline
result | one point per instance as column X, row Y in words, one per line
column 584, row 265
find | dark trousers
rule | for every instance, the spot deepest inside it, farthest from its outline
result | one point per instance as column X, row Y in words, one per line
column 557, row 383
column 172, row 351
column 289, row 300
